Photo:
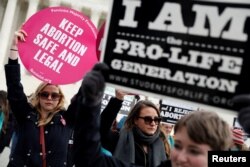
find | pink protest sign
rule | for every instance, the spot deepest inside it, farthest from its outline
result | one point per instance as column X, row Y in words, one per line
column 60, row 47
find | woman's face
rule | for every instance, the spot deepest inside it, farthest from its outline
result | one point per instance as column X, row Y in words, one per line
column 167, row 127
column 49, row 98
column 187, row 153
column 145, row 120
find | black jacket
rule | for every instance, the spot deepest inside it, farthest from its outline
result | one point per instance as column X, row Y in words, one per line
column 27, row 149
column 109, row 138
column 87, row 144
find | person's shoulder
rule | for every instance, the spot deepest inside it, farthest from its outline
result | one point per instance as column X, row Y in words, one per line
column 166, row 163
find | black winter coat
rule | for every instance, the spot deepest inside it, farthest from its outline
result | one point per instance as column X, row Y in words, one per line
column 109, row 138
column 27, row 149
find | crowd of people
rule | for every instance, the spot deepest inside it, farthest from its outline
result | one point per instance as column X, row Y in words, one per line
column 40, row 129
column 194, row 135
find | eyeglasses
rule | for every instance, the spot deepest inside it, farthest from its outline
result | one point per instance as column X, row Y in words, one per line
column 54, row 96
column 148, row 120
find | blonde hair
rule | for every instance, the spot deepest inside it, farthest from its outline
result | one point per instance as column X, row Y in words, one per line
column 35, row 102
column 242, row 147
column 167, row 146
column 206, row 128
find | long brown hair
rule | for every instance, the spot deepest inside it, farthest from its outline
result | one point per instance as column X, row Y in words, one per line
column 5, row 109
column 35, row 102
column 164, row 138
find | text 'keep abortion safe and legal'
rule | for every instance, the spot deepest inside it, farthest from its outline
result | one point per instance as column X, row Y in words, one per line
column 73, row 51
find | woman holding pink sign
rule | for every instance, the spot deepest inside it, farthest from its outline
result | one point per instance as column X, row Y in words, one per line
column 44, row 126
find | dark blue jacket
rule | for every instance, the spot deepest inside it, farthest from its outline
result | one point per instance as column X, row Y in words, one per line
column 27, row 150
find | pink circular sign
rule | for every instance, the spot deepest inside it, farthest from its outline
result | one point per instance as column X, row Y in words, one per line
column 60, row 47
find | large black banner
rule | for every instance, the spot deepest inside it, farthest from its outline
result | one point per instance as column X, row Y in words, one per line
column 196, row 50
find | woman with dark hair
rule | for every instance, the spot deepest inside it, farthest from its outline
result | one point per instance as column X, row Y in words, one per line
column 138, row 142
column 44, row 127
column 4, row 111
column 7, row 122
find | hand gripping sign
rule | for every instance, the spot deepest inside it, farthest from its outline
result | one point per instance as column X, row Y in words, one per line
column 60, row 47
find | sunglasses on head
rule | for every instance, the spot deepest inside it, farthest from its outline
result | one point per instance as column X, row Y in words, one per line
column 148, row 120
column 54, row 96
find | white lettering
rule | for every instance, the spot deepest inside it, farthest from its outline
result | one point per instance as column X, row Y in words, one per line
column 130, row 7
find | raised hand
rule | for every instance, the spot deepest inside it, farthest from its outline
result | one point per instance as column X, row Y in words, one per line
column 93, row 85
column 242, row 105
column 19, row 35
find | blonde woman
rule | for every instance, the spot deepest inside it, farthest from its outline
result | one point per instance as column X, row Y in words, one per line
column 44, row 126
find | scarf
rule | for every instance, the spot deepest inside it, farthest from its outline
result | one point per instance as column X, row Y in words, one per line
column 125, row 149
